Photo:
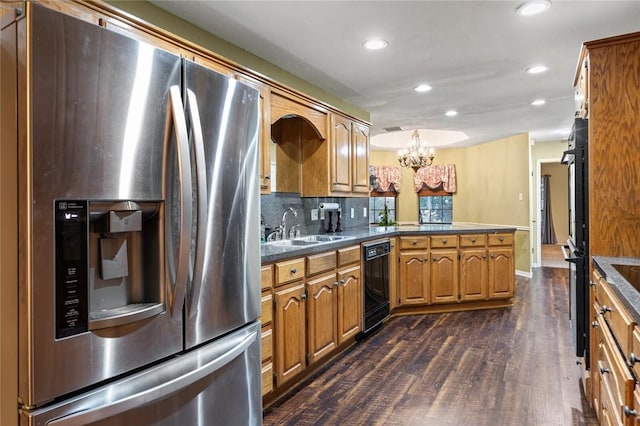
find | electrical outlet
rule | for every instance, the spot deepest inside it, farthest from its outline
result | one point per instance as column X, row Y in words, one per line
column 314, row 214
column 520, row 196
column 321, row 214
column 364, row 212
column 353, row 212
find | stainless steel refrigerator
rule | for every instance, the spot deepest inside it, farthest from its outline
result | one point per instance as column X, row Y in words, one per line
column 138, row 231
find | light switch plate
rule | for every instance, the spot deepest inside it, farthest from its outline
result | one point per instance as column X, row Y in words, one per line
column 314, row 214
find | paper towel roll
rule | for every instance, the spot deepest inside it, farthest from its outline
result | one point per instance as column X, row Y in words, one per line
column 329, row 206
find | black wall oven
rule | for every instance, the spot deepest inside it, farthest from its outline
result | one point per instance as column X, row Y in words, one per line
column 576, row 157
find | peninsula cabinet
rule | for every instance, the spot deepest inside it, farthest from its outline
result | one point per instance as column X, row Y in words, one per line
column 449, row 272
column 501, row 266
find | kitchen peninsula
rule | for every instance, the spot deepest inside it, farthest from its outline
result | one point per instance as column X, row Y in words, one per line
column 312, row 293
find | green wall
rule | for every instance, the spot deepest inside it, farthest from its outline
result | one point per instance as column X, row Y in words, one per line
column 490, row 178
column 178, row 26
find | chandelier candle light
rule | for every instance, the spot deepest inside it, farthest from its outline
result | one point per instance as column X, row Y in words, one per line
column 417, row 154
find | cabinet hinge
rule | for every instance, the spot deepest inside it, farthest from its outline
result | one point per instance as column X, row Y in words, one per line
column 275, row 375
column 307, row 358
column 275, row 301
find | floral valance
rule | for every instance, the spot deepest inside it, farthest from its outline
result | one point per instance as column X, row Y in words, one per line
column 434, row 176
column 386, row 176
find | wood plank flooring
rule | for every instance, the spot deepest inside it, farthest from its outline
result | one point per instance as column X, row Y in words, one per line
column 512, row 366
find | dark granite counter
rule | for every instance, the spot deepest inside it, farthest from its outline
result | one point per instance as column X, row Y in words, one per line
column 276, row 251
column 626, row 292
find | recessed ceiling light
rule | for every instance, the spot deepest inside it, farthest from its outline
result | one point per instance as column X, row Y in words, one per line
column 375, row 44
column 422, row 88
column 533, row 7
column 451, row 113
column 538, row 102
column 537, row 69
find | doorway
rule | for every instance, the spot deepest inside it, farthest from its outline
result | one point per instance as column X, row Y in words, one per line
column 551, row 255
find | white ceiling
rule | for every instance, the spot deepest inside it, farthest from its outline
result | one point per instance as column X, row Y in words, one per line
column 473, row 53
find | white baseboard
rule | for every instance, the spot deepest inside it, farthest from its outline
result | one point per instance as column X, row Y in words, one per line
column 524, row 274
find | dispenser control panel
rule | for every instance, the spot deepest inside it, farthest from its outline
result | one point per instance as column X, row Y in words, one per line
column 71, row 230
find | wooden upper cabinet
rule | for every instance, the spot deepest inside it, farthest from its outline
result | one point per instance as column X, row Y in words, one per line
column 265, row 130
column 360, row 163
column 211, row 64
column 340, row 153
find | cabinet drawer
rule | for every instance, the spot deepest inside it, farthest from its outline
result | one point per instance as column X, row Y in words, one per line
column 443, row 241
column 266, row 277
column 266, row 314
column 613, row 371
column 348, row 255
column 267, row 378
column 617, row 317
column 500, row 239
column 321, row 262
column 288, row 271
column 267, row 343
column 635, row 350
column 473, row 240
column 414, row 243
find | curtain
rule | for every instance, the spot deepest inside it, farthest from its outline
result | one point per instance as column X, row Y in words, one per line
column 388, row 178
column 434, row 176
column 548, row 233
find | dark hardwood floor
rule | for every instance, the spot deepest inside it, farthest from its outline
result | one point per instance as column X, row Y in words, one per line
column 512, row 366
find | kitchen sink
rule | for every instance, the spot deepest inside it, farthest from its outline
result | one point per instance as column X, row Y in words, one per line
column 309, row 240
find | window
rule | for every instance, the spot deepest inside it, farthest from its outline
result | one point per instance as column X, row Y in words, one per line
column 435, row 208
column 376, row 206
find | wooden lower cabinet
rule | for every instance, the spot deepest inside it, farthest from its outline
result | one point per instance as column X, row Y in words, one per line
column 443, row 279
column 414, row 277
column 349, row 303
column 290, row 331
column 501, row 273
column 322, row 316
column 473, row 275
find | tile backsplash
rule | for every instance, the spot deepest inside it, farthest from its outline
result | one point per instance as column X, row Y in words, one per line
column 273, row 206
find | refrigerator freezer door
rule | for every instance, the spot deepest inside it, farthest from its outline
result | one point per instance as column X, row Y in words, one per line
column 218, row 384
column 99, row 130
column 225, row 291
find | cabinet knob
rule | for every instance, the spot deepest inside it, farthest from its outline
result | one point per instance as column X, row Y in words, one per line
column 629, row 412
column 267, row 177
column 415, row 242
column 633, row 359
column 593, row 283
column 473, row 240
column 484, row 256
column 501, row 239
column 435, row 259
column 604, row 370
column 444, row 241
column 303, row 296
column 342, row 281
column 605, row 309
column 294, row 270
column 595, row 324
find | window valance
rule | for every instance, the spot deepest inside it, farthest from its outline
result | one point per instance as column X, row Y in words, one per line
column 388, row 178
column 435, row 176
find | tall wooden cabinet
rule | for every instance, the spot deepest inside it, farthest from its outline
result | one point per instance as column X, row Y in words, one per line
column 607, row 76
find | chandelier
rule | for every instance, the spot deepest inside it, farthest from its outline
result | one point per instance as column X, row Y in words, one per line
column 417, row 154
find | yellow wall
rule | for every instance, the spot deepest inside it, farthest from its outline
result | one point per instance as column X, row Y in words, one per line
column 163, row 19
column 490, row 178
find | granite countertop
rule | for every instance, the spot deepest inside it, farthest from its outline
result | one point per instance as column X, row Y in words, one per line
column 272, row 252
column 626, row 292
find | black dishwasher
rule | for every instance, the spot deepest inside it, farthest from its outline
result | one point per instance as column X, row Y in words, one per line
column 376, row 284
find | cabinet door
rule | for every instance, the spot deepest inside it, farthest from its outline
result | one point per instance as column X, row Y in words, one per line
column 414, row 278
column 360, row 142
column 444, row 276
column 349, row 303
column 340, row 154
column 290, row 331
column 322, row 316
column 265, row 131
column 473, row 274
column 501, row 273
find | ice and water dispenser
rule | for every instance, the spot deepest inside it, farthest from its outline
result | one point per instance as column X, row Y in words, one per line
column 109, row 264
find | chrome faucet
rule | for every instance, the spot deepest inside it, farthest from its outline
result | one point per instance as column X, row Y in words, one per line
column 283, row 227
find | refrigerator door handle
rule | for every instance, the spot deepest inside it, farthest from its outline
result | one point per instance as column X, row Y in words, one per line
column 158, row 392
column 201, row 182
column 176, row 110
